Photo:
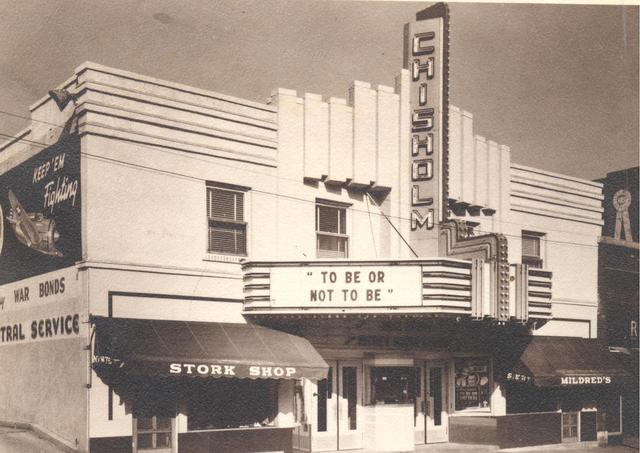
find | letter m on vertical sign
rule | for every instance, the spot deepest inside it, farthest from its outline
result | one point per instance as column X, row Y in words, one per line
column 426, row 57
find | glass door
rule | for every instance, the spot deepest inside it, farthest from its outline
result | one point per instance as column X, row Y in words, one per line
column 420, row 407
column 154, row 434
column 431, row 405
column 325, row 422
column 436, row 410
column 570, row 426
column 349, row 405
column 338, row 408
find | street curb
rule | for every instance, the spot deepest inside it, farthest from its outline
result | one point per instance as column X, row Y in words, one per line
column 555, row 447
column 42, row 433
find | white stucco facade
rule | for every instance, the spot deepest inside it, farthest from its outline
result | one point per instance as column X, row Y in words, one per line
column 149, row 149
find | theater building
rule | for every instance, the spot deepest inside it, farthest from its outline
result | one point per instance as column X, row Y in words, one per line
column 188, row 271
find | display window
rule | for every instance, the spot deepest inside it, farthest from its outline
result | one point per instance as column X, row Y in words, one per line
column 523, row 399
column 610, row 414
column 472, row 383
column 233, row 403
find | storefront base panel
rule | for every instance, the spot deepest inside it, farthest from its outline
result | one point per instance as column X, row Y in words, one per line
column 473, row 430
column 237, row 440
column 111, row 444
column 389, row 427
column 522, row 430
column 508, row 431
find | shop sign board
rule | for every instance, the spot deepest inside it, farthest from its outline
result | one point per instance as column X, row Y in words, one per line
column 585, row 380
column 42, row 323
column 346, row 286
column 46, row 307
column 41, row 290
column 238, row 371
column 40, row 213
column 518, row 377
column 213, row 369
column 560, row 380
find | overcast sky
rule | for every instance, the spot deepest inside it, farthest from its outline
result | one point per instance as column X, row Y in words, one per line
column 557, row 83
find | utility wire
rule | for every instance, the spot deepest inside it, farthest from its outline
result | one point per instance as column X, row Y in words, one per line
column 184, row 176
column 190, row 155
column 392, row 225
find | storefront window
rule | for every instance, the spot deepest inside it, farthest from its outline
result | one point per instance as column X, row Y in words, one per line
column 472, row 383
column 393, row 385
column 609, row 414
column 525, row 398
column 233, row 403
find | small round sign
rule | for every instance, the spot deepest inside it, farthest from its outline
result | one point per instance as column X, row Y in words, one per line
column 622, row 200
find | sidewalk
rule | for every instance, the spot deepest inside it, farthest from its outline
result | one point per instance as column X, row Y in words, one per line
column 564, row 448
column 16, row 440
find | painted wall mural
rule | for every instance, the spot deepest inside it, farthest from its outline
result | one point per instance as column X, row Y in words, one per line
column 40, row 209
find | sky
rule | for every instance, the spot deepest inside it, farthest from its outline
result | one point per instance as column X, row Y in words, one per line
column 556, row 83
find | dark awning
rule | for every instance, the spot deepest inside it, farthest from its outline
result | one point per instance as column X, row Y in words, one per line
column 202, row 349
column 565, row 362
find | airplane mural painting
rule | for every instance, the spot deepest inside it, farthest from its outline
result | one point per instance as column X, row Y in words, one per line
column 33, row 229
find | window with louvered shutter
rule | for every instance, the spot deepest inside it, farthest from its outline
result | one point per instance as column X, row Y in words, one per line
column 531, row 254
column 227, row 228
column 332, row 240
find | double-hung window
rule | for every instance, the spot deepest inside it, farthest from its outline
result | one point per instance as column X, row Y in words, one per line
column 227, row 228
column 532, row 249
column 332, row 240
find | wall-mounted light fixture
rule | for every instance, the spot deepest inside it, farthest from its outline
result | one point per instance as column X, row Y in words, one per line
column 62, row 98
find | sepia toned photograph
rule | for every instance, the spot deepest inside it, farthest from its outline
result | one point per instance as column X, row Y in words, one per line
column 319, row 226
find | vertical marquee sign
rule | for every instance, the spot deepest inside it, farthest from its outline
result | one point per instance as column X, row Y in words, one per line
column 426, row 56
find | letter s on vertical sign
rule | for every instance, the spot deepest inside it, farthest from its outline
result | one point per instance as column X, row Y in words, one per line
column 175, row 368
